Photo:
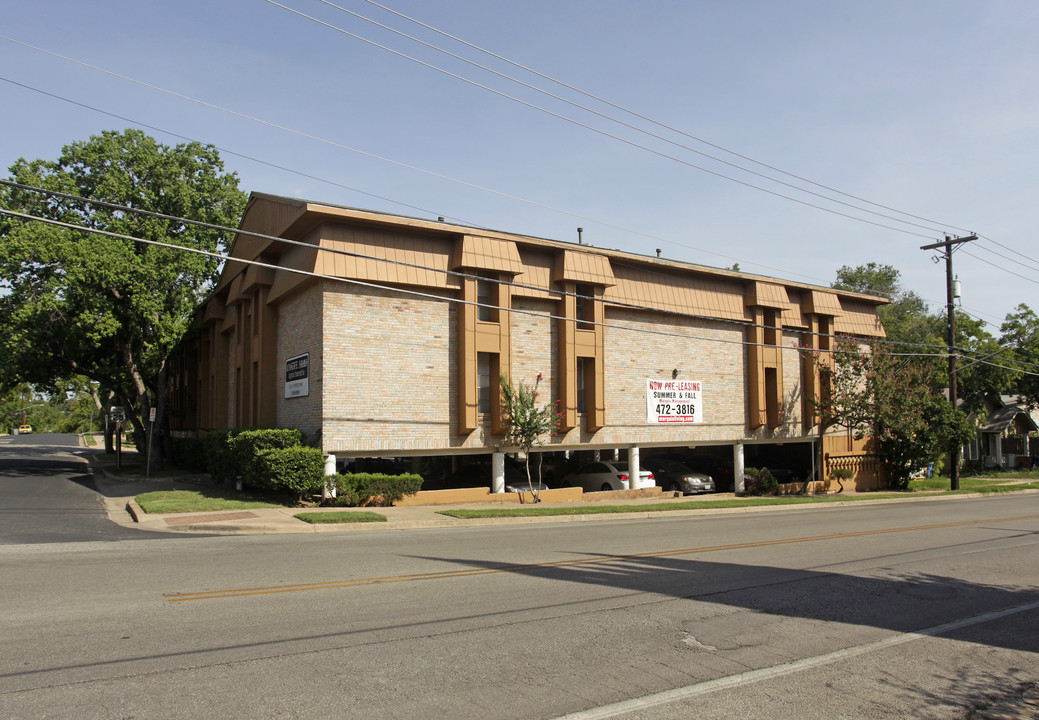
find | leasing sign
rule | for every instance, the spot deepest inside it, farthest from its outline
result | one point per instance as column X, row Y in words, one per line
column 297, row 376
column 674, row 401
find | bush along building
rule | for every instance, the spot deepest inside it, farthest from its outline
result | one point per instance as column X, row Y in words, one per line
column 386, row 337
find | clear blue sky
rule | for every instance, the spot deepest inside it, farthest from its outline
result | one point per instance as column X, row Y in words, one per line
column 930, row 108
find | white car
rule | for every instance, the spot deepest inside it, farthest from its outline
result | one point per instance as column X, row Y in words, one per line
column 607, row 476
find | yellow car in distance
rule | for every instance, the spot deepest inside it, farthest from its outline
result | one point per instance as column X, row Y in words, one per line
column 25, row 429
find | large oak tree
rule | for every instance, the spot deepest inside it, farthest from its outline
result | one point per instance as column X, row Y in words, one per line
column 74, row 302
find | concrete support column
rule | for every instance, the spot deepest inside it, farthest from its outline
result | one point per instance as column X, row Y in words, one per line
column 329, row 490
column 498, row 472
column 737, row 468
column 633, row 468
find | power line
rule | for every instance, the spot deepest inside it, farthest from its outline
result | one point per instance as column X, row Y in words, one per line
column 600, row 222
column 634, row 113
column 611, row 135
column 221, row 149
column 451, row 273
column 348, row 253
column 604, row 116
column 1023, row 277
column 376, row 286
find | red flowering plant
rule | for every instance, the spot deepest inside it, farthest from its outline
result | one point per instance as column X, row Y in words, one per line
column 525, row 421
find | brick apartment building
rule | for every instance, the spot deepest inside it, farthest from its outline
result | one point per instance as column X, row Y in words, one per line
column 386, row 335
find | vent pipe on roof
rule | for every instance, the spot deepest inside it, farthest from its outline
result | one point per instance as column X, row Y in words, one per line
column 658, row 252
column 580, row 241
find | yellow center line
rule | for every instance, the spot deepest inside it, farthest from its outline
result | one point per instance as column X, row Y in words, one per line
column 447, row 574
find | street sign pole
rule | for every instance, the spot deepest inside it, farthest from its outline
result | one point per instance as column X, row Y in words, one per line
column 151, row 432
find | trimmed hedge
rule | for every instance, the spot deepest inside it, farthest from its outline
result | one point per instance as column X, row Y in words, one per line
column 298, row 469
column 246, row 447
column 357, row 489
column 189, row 453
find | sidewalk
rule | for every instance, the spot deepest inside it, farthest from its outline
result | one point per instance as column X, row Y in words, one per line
column 118, row 493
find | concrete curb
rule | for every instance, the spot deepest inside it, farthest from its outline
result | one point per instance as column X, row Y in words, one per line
column 269, row 521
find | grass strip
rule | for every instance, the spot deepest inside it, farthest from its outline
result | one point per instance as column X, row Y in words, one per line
column 340, row 516
column 502, row 512
column 200, row 500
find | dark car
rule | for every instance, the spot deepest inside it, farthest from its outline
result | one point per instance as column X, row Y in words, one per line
column 719, row 470
column 673, row 476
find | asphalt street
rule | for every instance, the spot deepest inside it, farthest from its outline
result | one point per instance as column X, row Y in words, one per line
column 913, row 609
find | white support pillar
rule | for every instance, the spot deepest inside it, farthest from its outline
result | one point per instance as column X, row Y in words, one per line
column 498, row 472
column 329, row 490
column 633, row 468
column 737, row 469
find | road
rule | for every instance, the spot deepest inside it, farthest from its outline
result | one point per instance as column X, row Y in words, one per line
column 912, row 609
column 47, row 495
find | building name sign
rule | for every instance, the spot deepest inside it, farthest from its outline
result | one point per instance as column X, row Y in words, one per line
column 297, row 376
column 674, row 401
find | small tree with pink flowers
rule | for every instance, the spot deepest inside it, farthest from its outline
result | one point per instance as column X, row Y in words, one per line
column 526, row 422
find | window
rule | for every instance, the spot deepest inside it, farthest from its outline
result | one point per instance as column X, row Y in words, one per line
column 483, row 381
column 582, row 399
column 487, row 297
column 585, row 310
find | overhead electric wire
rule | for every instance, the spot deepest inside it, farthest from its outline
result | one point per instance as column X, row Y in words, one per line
column 985, row 237
column 644, row 117
column 453, row 273
column 603, row 115
column 348, row 253
column 306, row 135
column 384, row 159
column 1023, row 277
column 377, row 286
column 221, row 149
column 1033, row 268
column 611, row 135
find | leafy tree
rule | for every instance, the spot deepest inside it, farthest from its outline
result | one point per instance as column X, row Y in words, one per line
column 976, row 378
column 74, row 302
column 525, row 422
column 1020, row 334
column 876, row 394
column 905, row 318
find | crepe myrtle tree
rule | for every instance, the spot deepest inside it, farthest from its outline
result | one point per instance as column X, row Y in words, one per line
column 526, row 422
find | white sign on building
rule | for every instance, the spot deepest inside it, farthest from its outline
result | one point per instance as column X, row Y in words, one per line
column 297, row 376
column 674, row 401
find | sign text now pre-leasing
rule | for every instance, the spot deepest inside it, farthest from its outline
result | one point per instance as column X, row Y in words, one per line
column 297, row 376
column 674, row 401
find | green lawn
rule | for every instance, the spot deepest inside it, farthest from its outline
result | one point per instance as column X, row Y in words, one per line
column 465, row 514
column 340, row 516
column 1002, row 481
column 200, row 500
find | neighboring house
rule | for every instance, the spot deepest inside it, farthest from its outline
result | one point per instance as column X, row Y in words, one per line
column 386, row 337
column 1005, row 432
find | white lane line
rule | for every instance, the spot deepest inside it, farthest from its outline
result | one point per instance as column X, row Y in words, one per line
column 754, row 676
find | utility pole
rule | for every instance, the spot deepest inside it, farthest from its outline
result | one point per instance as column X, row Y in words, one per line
column 948, row 244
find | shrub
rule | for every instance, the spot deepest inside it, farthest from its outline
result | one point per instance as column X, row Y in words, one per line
column 189, row 453
column 247, row 445
column 216, row 451
column 298, row 469
column 762, row 483
column 357, row 489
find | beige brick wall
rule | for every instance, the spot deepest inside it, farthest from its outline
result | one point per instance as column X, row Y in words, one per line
column 299, row 331
column 384, row 376
column 641, row 346
column 390, row 373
